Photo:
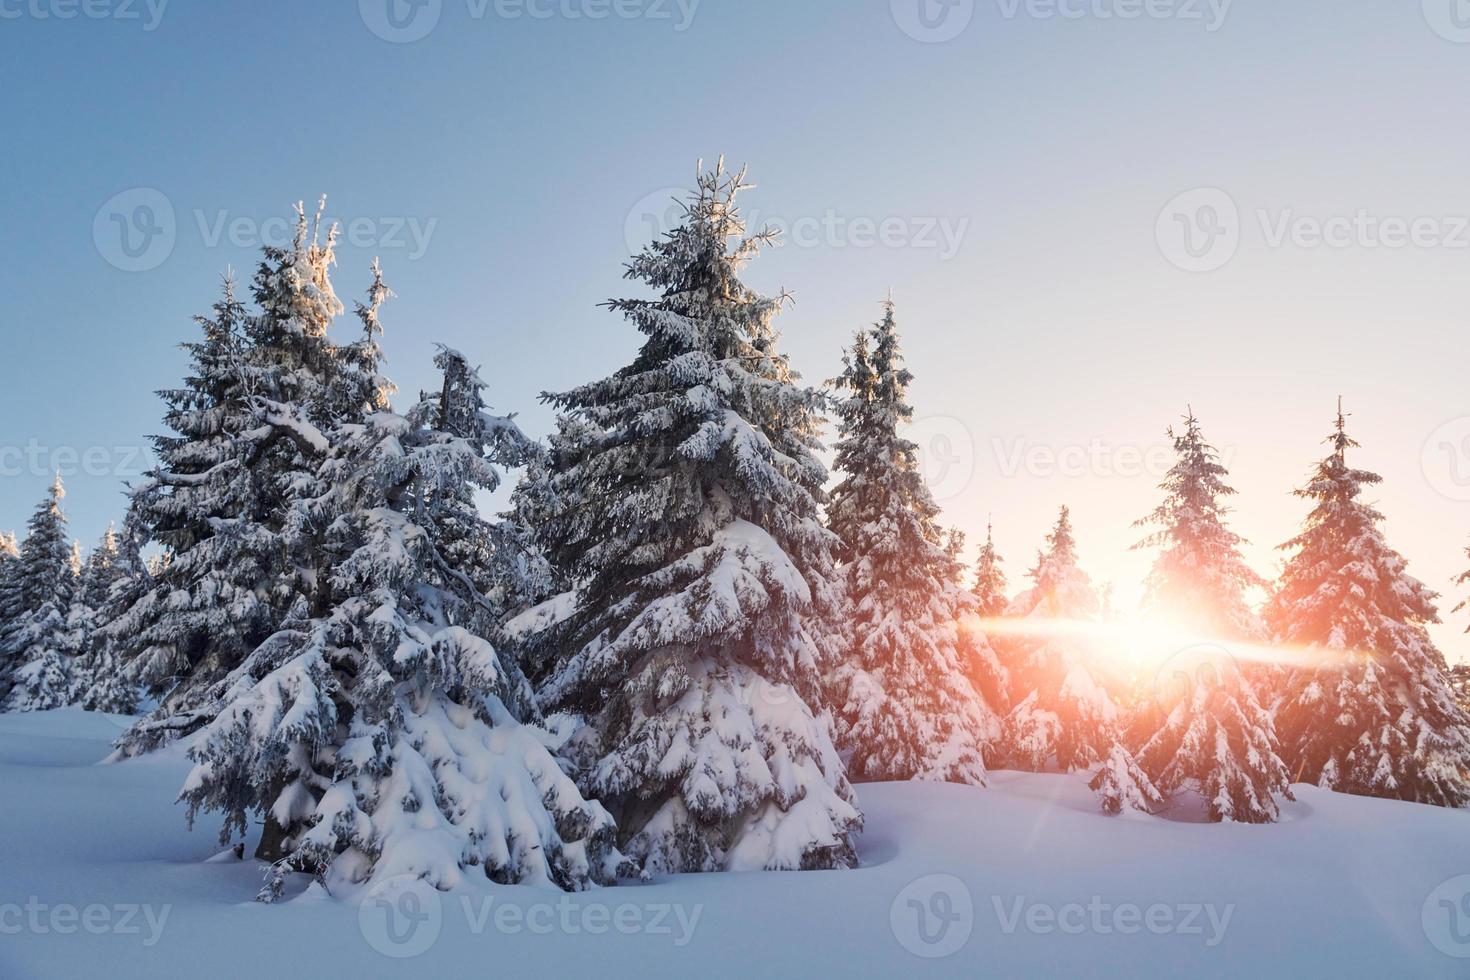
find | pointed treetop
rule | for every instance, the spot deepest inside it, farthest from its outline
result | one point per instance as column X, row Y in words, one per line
column 1340, row 441
column 1061, row 540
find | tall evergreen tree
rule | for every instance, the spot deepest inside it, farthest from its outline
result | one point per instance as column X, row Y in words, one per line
column 990, row 579
column 690, row 492
column 1199, row 576
column 1375, row 716
column 378, row 732
column 497, row 558
column 10, row 603
column 103, row 682
column 42, row 643
column 247, row 433
column 532, row 504
column 905, row 706
column 1210, row 734
column 1064, row 715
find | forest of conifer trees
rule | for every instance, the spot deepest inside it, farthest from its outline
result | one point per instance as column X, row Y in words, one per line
column 685, row 641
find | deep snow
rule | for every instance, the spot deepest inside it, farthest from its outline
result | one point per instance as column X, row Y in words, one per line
column 100, row 877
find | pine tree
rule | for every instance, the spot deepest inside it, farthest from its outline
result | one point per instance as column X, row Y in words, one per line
column 496, row 558
column 990, row 579
column 1064, row 715
column 905, row 706
column 204, row 505
column 228, row 499
column 1210, row 733
column 690, row 492
column 10, row 602
column 532, row 505
column 1375, row 716
column 103, row 683
column 43, row 642
column 1199, row 577
column 379, row 732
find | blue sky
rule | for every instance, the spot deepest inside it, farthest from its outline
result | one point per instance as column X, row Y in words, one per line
column 1024, row 187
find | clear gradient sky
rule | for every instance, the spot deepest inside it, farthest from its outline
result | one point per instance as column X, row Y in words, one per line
column 1012, row 171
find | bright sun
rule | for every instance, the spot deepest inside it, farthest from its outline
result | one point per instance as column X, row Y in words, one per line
column 1142, row 644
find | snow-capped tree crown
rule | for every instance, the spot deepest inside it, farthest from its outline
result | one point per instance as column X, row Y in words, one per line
column 1199, row 574
column 1059, row 588
column 687, row 493
column 905, row 702
column 1344, row 586
column 1374, row 714
column 706, row 427
column 990, row 579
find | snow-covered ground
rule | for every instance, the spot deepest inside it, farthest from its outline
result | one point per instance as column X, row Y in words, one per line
column 100, row 877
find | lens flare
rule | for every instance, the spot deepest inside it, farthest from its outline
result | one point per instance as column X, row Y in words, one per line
column 1145, row 643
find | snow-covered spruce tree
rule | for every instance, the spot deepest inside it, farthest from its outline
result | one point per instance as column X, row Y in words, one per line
column 10, row 602
column 379, row 734
column 904, row 704
column 1375, row 716
column 1064, row 716
column 691, row 494
column 1199, row 577
column 43, row 641
column 499, row 558
column 532, row 505
column 1210, row 733
column 103, row 682
column 990, row 579
column 245, row 428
